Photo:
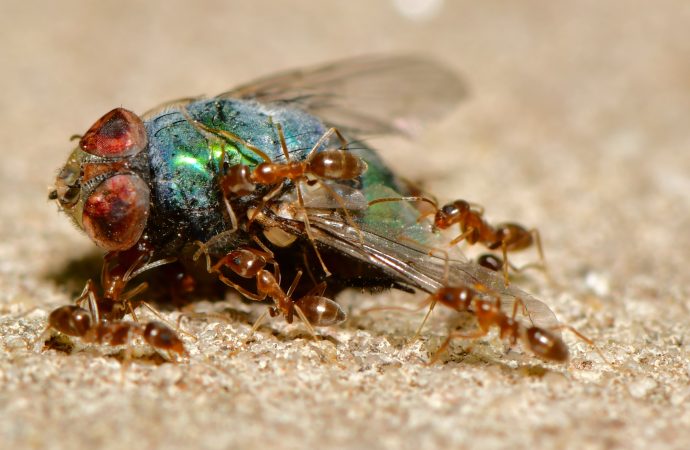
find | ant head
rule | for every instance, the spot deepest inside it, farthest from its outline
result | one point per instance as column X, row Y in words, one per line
column 546, row 345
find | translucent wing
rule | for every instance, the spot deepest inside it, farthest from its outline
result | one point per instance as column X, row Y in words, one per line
column 415, row 266
column 412, row 265
column 365, row 95
column 329, row 195
column 170, row 106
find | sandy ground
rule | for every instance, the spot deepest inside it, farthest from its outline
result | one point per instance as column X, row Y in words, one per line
column 577, row 123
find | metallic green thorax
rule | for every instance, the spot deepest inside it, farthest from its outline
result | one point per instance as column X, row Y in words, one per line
column 185, row 163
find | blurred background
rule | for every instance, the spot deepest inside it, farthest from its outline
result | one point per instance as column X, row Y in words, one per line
column 576, row 123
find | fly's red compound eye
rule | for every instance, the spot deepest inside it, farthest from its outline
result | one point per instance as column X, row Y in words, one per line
column 115, row 213
column 118, row 134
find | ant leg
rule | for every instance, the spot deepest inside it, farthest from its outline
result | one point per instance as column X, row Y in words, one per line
column 342, row 205
column 537, row 240
column 293, row 286
column 160, row 317
column 542, row 265
column 41, row 339
column 268, row 255
column 283, row 143
column 422, row 305
column 231, row 214
column 203, row 248
column 89, row 293
column 241, row 290
column 304, row 320
column 298, row 189
column 426, row 302
column 264, row 200
column 432, row 305
column 495, row 263
column 504, row 249
column 341, row 138
column 462, row 236
column 130, row 274
column 444, row 346
column 307, row 228
column 585, row 339
column 256, row 325
column 131, row 293
column 299, row 311
column 519, row 303
column 323, row 139
column 227, row 135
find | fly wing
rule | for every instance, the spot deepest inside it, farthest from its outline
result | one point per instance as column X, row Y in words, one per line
column 328, row 195
column 410, row 263
column 170, row 106
column 365, row 95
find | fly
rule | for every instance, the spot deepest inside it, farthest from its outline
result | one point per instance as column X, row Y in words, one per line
column 268, row 181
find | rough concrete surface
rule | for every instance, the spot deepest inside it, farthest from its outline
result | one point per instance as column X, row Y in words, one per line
column 577, row 123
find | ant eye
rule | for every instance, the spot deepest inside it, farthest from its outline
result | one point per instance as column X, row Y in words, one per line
column 117, row 134
column 449, row 210
column 115, row 214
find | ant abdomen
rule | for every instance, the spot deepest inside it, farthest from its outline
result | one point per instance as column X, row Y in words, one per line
column 321, row 311
column 337, row 164
column 546, row 345
column 162, row 337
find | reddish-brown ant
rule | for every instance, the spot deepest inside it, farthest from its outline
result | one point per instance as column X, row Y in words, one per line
column 543, row 343
column 78, row 322
column 485, row 305
column 102, row 323
column 313, row 309
column 119, row 268
column 507, row 236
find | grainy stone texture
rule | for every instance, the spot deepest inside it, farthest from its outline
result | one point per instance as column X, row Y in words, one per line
column 577, row 123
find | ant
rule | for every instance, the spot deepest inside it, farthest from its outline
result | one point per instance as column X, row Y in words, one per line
column 119, row 268
column 102, row 323
column 313, row 309
column 485, row 305
column 508, row 236
column 542, row 342
column 75, row 321
column 335, row 164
